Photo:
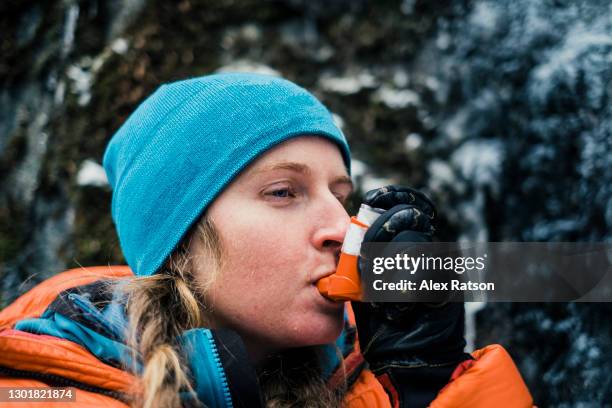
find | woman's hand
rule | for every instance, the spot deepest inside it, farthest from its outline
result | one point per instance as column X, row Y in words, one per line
column 418, row 345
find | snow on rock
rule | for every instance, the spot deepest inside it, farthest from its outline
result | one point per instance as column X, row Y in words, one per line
column 396, row 98
column 91, row 174
column 347, row 85
column 244, row 65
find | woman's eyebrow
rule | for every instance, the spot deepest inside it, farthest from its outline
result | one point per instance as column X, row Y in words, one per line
column 302, row 169
column 294, row 166
column 343, row 180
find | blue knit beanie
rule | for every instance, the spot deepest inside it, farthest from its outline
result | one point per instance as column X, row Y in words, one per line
column 185, row 143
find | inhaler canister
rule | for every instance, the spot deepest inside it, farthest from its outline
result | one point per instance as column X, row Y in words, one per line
column 345, row 283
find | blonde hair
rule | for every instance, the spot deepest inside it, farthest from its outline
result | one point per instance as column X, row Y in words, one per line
column 162, row 306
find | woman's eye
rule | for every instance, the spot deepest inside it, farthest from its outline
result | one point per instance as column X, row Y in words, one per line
column 280, row 193
column 343, row 198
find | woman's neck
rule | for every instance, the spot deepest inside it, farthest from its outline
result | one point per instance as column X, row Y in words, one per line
column 259, row 353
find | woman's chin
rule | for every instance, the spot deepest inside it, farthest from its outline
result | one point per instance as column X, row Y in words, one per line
column 325, row 332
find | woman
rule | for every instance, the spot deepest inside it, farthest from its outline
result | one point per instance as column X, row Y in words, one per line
column 228, row 198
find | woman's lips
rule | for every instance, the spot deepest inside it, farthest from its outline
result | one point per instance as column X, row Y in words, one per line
column 323, row 275
column 322, row 285
column 326, row 302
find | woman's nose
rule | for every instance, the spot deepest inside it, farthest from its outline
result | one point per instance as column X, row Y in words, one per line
column 331, row 225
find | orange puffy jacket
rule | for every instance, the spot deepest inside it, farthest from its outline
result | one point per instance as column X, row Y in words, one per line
column 30, row 360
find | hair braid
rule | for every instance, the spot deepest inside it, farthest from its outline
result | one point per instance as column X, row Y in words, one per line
column 162, row 306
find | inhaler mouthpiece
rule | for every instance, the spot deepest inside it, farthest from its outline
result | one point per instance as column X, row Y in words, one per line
column 345, row 283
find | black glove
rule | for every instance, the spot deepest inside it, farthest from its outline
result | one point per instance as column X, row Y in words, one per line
column 417, row 345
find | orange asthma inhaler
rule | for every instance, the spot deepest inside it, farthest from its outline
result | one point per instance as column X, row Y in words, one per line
column 345, row 283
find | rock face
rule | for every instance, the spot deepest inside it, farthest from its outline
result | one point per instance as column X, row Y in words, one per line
column 525, row 109
column 500, row 110
column 53, row 58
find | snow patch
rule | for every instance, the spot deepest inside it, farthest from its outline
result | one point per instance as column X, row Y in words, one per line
column 120, row 46
column 91, row 174
column 358, row 168
column 81, row 83
column 443, row 41
column 480, row 162
column 338, row 120
column 440, row 175
column 72, row 15
column 396, row 98
column 484, row 17
column 365, row 179
column 471, row 308
column 251, row 32
column 413, row 141
column 347, row 85
column 562, row 61
column 60, row 92
column 400, row 78
column 245, row 65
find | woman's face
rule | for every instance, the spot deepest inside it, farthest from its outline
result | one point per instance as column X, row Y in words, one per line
column 281, row 223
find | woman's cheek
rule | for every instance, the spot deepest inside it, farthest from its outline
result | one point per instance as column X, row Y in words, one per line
column 268, row 251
